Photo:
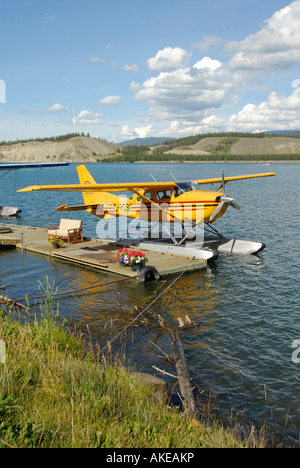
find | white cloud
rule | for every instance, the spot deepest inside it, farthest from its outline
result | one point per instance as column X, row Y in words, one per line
column 188, row 93
column 208, row 64
column 137, row 132
column 275, row 47
column 279, row 112
column 98, row 59
column 207, row 43
column 171, row 130
column 110, row 100
column 134, row 86
column 213, row 122
column 127, row 131
column 57, row 108
column 169, row 59
column 186, row 128
column 87, row 117
column 143, row 132
column 196, row 98
column 131, row 68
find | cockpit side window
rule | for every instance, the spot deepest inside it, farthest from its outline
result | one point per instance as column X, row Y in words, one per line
column 163, row 195
column 147, row 195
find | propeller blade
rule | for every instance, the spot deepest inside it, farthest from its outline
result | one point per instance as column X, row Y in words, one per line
column 216, row 212
column 225, row 200
column 236, row 206
column 230, row 201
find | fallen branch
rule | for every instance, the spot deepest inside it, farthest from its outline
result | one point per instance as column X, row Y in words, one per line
column 183, row 375
column 12, row 302
column 165, row 373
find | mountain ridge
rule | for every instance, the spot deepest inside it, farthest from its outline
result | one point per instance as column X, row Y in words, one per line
column 150, row 141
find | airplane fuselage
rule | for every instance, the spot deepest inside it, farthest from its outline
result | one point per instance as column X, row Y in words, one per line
column 163, row 206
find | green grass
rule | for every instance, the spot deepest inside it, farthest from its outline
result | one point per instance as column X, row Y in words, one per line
column 54, row 394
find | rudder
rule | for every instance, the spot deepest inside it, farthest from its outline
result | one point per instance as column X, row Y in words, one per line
column 85, row 178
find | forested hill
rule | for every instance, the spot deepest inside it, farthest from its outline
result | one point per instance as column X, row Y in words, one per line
column 237, row 143
column 218, row 147
column 80, row 148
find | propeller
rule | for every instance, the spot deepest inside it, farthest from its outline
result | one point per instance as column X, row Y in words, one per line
column 226, row 200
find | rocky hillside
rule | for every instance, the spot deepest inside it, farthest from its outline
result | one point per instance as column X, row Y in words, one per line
column 241, row 146
column 78, row 149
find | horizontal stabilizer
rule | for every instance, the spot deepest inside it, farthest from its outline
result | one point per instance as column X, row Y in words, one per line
column 101, row 210
column 77, row 208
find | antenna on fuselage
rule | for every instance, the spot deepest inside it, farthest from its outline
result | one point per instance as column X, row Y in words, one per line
column 153, row 178
column 223, row 180
column 173, row 176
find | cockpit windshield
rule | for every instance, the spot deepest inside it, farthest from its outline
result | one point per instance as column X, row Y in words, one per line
column 182, row 187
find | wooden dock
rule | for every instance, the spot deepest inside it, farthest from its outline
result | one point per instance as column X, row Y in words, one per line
column 93, row 253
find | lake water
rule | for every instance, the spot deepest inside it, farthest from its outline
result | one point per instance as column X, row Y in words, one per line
column 247, row 308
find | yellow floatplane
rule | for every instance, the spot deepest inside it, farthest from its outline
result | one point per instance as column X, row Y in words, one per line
column 158, row 202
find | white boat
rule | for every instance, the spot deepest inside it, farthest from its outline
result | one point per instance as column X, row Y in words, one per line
column 8, row 211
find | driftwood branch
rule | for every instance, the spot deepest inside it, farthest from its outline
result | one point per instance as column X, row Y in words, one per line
column 183, row 376
column 164, row 372
column 6, row 300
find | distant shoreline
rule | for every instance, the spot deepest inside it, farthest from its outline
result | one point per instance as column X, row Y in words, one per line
column 222, row 161
column 214, row 162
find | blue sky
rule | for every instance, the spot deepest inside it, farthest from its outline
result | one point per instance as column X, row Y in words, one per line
column 120, row 70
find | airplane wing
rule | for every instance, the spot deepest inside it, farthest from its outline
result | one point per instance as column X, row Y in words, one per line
column 229, row 179
column 14, row 167
column 131, row 187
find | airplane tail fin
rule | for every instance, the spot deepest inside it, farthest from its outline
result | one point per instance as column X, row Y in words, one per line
column 85, row 178
column 93, row 199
